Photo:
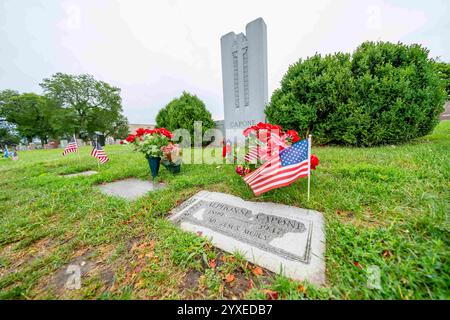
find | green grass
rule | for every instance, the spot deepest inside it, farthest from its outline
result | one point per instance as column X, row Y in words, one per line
column 386, row 207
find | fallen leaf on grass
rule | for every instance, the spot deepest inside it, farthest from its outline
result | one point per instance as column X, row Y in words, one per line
column 357, row 264
column 151, row 244
column 301, row 288
column 230, row 278
column 140, row 284
column 271, row 295
column 250, row 284
column 128, row 221
column 212, row 263
column 387, row 253
column 345, row 214
column 257, row 271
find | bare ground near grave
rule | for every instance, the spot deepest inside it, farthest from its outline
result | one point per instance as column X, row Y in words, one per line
column 385, row 207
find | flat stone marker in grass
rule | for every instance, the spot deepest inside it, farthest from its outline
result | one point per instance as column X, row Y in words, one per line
column 280, row 238
column 84, row 173
column 130, row 189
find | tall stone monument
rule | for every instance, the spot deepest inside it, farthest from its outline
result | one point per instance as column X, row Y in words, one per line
column 244, row 77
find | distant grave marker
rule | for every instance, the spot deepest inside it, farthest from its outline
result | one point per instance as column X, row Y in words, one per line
column 277, row 237
column 84, row 173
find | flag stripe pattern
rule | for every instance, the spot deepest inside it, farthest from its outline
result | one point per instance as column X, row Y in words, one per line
column 275, row 144
column 280, row 170
column 97, row 152
column 71, row 147
column 255, row 154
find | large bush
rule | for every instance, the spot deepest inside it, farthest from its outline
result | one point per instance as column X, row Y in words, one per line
column 182, row 112
column 383, row 93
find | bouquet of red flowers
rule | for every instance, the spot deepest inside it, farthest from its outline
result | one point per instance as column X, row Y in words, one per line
column 150, row 141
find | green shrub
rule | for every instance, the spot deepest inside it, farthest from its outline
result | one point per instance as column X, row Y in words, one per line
column 383, row 93
column 182, row 112
column 443, row 69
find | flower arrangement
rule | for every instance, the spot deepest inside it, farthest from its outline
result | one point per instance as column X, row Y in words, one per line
column 266, row 140
column 150, row 141
column 172, row 157
column 172, row 152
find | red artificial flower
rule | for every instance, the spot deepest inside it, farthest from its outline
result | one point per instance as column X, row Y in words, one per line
column 293, row 135
column 166, row 132
column 121, row 142
column 262, row 125
column 314, row 161
column 140, row 132
column 240, row 170
column 247, row 131
column 277, row 128
column 130, row 138
column 149, row 131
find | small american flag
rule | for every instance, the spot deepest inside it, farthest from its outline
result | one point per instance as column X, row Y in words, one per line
column 98, row 153
column 71, row 147
column 281, row 170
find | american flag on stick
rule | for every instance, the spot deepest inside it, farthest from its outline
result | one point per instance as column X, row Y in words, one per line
column 282, row 169
column 97, row 152
column 71, row 147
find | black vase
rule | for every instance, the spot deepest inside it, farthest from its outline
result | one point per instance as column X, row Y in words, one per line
column 153, row 162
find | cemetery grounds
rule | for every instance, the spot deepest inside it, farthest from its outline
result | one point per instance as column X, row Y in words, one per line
column 385, row 207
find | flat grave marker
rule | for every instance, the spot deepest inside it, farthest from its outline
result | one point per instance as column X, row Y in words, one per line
column 130, row 189
column 281, row 238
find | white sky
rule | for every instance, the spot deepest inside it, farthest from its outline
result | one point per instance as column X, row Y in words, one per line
column 153, row 50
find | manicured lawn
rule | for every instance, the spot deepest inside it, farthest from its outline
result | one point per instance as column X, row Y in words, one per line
column 386, row 207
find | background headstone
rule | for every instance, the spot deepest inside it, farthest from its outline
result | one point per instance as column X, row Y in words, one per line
column 244, row 76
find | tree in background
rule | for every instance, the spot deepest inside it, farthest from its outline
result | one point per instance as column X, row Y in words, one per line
column 91, row 105
column 182, row 112
column 8, row 136
column 443, row 69
column 32, row 115
column 384, row 93
column 119, row 129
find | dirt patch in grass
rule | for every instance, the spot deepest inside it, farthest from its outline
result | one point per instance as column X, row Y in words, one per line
column 227, row 279
column 367, row 220
column 92, row 263
column 16, row 259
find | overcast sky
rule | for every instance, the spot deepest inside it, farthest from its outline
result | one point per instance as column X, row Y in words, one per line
column 153, row 50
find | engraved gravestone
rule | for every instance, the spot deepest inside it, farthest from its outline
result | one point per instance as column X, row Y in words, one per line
column 244, row 78
column 283, row 239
